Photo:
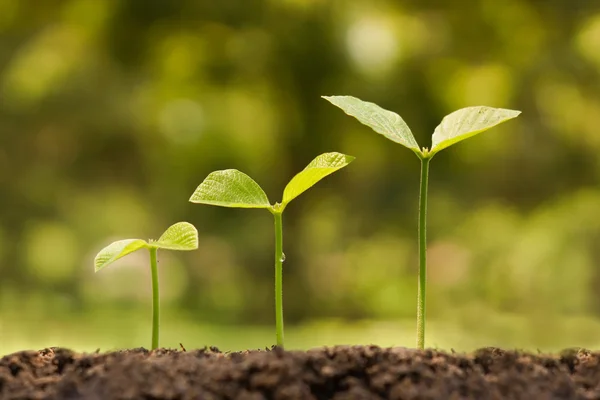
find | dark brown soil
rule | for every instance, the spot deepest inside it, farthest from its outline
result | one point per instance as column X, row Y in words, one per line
column 360, row 372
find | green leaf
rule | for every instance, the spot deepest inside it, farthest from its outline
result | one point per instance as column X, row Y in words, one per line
column 180, row 236
column 384, row 122
column 230, row 188
column 318, row 169
column 467, row 122
column 116, row 250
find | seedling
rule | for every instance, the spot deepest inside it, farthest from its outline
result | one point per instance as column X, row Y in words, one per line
column 180, row 236
column 455, row 127
column 232, row 188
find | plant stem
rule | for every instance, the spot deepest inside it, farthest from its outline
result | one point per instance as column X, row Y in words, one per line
column 278, row 278
column 155, row 297
column 421, row 289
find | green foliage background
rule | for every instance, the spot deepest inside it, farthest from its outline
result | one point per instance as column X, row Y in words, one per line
column 112, row 112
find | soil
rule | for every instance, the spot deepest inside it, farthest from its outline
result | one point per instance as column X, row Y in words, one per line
column 343, row 372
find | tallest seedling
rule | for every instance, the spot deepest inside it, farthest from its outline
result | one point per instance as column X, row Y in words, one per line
column 455, row 127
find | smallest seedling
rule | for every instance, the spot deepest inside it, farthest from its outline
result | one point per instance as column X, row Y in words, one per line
column 180, row 236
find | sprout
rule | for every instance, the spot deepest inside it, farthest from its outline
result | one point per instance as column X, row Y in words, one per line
column 454, row 128
column 232, row 188
column 181, row 236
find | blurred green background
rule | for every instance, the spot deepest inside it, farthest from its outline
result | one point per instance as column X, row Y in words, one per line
column 112, row 112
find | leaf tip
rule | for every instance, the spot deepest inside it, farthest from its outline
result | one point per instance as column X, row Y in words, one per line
column 511, row 114
column 99, row 263
column 347, row 158
column 334, row 98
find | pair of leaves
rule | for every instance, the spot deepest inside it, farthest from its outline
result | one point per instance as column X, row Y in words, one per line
column 180, row 236
column 455, row 127
column 232, row 188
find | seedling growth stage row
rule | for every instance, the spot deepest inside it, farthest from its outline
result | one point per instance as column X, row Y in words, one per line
column 232, row 188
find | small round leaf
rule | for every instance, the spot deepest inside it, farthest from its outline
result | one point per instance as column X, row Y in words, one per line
column 230, row 188
column 180, row 236
column 116, row 250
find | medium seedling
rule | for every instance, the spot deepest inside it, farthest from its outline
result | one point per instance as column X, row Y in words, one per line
column 232, row 188
column 180, row 236
column 455, row 127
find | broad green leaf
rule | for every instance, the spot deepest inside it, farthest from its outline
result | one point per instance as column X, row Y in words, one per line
column 180, row 236
column 467, row 122
column 230, row 188
column 318, row 169
column 384, row 122
column 116, row 250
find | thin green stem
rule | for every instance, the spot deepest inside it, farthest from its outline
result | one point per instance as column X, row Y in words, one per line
column 155, row 297
column 421, row 290
column 278, row 278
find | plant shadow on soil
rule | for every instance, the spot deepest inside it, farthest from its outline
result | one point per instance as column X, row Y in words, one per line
column 340, row 372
